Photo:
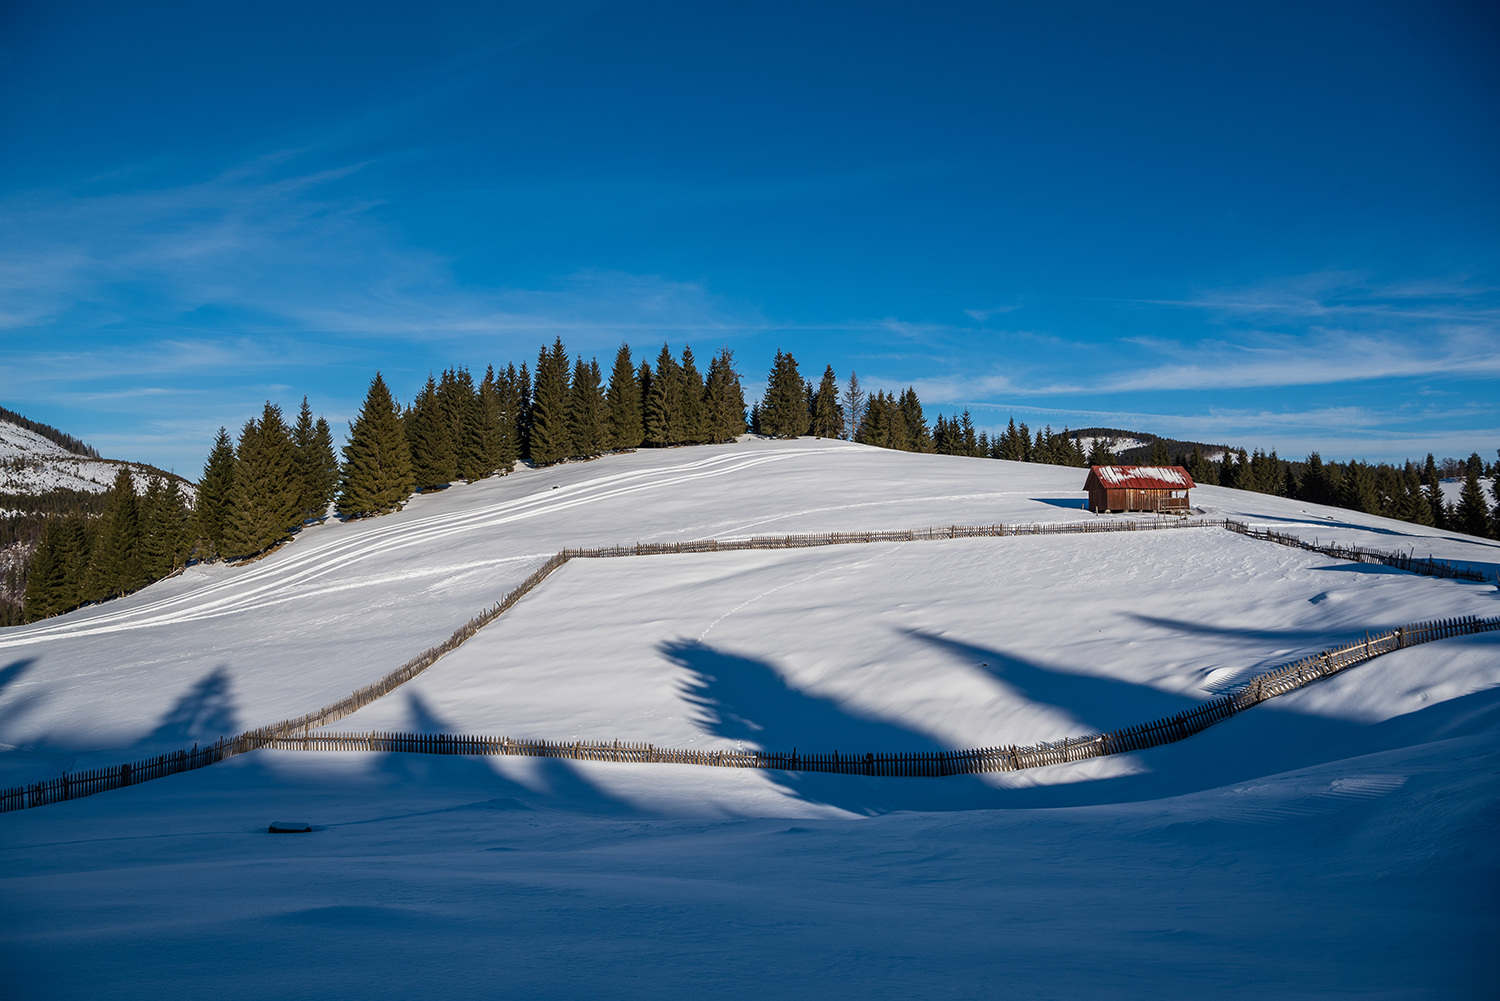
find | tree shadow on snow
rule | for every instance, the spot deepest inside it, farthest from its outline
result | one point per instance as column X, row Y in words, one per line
column 744, row 699
column 9, row 675
column 553, row 783
column 1099, row 703
column 201, row 715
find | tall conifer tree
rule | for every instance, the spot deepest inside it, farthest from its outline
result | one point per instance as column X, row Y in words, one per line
column 267, row 489
column 724, row 398
column 116, row 564
column 586, row 410
column 783, row 412
column 377, row 475
column 434, row 462
column 551, row 440
column 828, row 414
column 664, row 419
column 626, row 424
column 215, row 495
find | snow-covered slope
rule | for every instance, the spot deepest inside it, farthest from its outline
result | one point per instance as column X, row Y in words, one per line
column 32, row 464
column 1173, row 871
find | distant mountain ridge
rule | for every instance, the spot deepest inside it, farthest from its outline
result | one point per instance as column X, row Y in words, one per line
column 1132, row 447
column 49, row 432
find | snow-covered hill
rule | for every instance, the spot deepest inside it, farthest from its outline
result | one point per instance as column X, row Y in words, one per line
column 33, row 464
column 1179, row 869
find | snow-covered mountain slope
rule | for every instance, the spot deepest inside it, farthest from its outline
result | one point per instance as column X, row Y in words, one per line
column 344, row 603
column 33, row 464
column 1175, row 870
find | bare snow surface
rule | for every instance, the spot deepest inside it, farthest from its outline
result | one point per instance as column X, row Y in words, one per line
column 1335, row 841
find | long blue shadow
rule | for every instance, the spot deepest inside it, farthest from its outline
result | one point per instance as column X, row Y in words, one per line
column 745, row 699
column 1099, row 703
column 201, row 715
column 1323, row 637
column 564, row 786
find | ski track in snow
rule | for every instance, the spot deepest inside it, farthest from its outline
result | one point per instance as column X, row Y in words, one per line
column 249, row 591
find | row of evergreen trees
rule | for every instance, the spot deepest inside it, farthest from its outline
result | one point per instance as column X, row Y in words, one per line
column 259, row 490
column 139, row 538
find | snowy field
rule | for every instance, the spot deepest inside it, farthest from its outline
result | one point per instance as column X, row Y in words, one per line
column 1335, row 841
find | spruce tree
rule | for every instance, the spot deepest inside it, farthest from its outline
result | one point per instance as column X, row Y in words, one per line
column 586, row 411
column 828, row 413
column 970, row 446
column 724, row 398
column 664, row 418
column 918, row 437
column 626, row 424
column 115, row 567
column 1433, row 484
column 489, row 405
column 694, row 416
column 551, row 440
column 164, row 528
column 377, row 474
column 45, row 575
column 309, row 473
column 434, row 462
column 325, row 471
column 465, row 415
column 783, row 412
column 267, row 491
column 1472, row 516
column 215, row 495
column 523, row 418
column 512, row 408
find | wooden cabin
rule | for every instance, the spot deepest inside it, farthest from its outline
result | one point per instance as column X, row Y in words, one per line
column 1162, row 489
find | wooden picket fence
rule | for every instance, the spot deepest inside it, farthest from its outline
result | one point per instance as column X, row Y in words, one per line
column 78, row 784
column 918, row 764
column 297, row 733
column 1358, row 554
column 900, row 764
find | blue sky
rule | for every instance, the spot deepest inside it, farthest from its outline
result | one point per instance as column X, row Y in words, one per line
column 1269, row 225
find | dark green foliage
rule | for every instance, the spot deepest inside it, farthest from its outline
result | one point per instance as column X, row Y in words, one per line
column 783, row 410
column 164, row 529
column 115, row 561
column 1100, row 453
column 724, row 399
column 506, row 400
column 463, row 413
column 377, row 474
column 587, row 422
column 695, row 424
column 267, row 498
column 918, row 437
column 215, row 497
column 1013, row 442
column 664, row 413
column 1472, row 516
column 317, row 467
column 1159, row 454
column 551, row 439
column 828, row 413
column 434, row 462
column 323, row 481
column 56, row 581
column 627, row 428
column 884, row 425
column 523, row 421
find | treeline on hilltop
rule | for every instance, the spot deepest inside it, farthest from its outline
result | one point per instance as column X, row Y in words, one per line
column 49, row 432
column 260, row 489
column 1409, row 492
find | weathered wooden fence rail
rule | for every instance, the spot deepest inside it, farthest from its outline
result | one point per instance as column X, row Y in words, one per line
column 1359, row 554
column 902, row 764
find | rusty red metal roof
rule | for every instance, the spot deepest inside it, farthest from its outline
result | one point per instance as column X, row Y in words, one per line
column 1140, row 478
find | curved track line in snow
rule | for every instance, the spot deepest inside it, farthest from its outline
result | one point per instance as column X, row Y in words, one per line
column 245, row 591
